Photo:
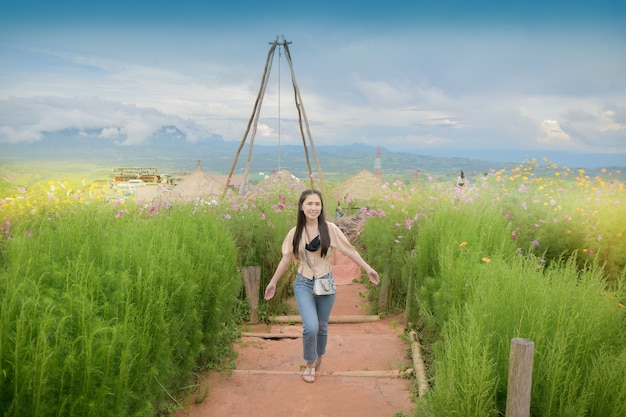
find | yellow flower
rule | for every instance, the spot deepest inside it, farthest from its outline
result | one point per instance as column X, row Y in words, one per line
column 462, row 244
column 486, row 260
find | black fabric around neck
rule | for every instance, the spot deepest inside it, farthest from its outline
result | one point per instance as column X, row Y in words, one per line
column 314, row 244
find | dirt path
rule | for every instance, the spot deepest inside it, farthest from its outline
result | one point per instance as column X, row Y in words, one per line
column 361, row 374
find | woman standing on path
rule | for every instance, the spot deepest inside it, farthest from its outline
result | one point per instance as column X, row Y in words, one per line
column 310, row 244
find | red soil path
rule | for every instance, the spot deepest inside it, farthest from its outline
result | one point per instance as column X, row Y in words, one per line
column 358, row 375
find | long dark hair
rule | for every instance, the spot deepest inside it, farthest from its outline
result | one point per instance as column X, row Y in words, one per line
column 322, row 226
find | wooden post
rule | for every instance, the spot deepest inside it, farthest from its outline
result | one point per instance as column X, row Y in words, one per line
column 383, row 297
column 409, row 303
column 252, row 285
column 520, row 378
column 418, row 364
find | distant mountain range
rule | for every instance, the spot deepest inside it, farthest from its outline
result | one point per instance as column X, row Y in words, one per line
column 177, row 156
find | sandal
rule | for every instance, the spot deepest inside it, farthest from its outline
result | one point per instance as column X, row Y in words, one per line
column 309, row 373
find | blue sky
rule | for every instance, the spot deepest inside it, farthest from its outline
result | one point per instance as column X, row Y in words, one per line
column 404, row 75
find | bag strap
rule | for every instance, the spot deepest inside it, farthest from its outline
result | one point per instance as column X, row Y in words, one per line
column 306, row 256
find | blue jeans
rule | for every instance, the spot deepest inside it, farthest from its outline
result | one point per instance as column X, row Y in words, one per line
column 315, row 312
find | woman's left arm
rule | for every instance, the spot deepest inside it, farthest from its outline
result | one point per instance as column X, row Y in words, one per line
column 343, row 244
column 371, row 272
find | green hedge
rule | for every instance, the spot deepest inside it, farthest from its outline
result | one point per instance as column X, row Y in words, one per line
column 105, row 312
column 577, row 329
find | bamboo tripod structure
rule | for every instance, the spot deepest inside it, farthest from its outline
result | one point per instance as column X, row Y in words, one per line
column 254, row 119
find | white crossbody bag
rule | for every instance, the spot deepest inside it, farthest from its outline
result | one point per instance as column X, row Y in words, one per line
column 321, row 286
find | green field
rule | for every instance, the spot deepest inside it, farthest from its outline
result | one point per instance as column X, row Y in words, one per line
column 111, row 306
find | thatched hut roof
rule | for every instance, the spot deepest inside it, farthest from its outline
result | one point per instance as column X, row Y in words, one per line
column 282, row 179
column 362, row 186
column 197, row 185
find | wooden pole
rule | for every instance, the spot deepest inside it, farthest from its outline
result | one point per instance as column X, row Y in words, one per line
column 302, row 117
column 252, row 285
column 255, row 112
column 418, row 364
column 255, row 116
column 268, row 69
column 409, row 299
column 383, row 297
column 520, row 378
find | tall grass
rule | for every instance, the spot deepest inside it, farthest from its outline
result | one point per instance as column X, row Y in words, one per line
column 258, row 226
column 106, row 308
column 518, row 257
column 105, row 312
column 578, row 336
column 452, row 245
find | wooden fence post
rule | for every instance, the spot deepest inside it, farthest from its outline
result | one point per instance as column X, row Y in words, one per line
column 383, row 297
column 252, row 284
column 408, row 306
column 520, row 378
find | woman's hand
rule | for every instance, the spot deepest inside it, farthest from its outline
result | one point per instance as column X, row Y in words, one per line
column 270, row 290
column 373, row 276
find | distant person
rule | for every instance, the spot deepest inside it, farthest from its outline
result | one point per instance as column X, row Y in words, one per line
column 338, row 211
column 310, row 244
column 460, row 181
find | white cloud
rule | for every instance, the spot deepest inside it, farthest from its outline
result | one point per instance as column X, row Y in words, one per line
column 418, row 88
column 427, row 140
column 125, row 124
column 9, row 134
column 553, row 135
column 381, row 93
column 138, row 132
column 609, row 123
column 397, row 94
column 265, row 131
column 110, row 132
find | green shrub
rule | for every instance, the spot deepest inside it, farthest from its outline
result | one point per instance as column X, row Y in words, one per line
column 105, row 312
column 453, row 245
column 577, row 332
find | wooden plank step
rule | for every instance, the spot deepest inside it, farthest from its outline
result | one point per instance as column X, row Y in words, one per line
column 392, row 373
column 272, row 335
column 333, row 319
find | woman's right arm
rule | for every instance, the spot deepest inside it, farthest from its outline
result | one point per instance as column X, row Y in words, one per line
column 270, row 290
column 287, row 252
